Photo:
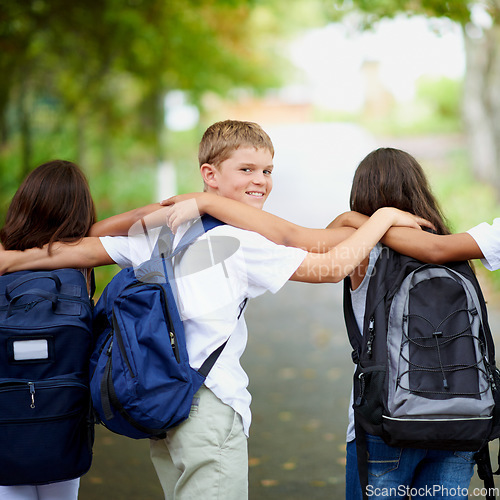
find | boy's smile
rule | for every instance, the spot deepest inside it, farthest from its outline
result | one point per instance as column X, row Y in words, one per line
column 246, row 176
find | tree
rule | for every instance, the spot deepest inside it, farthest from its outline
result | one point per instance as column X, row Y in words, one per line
column 106, row 65
column 481, row 97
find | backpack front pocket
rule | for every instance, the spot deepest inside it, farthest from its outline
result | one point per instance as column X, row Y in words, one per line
column 46, row 430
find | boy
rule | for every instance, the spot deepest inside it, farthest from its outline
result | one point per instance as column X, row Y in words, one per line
column 206, row 456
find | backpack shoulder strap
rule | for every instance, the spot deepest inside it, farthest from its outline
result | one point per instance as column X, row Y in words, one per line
column 355, row 337
column 484, row 471
column 201, row 226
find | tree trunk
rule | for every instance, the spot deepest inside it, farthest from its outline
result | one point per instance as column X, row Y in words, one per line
column 153, row 121
column 24, row 117
column 81, row 138
column 481, row 103
column 4, row 126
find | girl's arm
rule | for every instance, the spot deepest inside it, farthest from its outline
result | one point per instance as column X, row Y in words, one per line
column 118, row 225
column 341, row 260
column 432, row 248
column 184, row 207
column 421, row 245
column 86, row 253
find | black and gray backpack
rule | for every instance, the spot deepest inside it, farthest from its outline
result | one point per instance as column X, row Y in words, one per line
column 426, row 374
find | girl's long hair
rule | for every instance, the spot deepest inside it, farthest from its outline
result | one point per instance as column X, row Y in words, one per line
column 390, row 177
column 52, row 204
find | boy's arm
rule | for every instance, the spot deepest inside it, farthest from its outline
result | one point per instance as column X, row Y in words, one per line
column 341, row 260
column 86, row 253
column 118, row 225
column 183, row 207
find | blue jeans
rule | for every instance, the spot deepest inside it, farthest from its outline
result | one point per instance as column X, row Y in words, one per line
column 396, row 473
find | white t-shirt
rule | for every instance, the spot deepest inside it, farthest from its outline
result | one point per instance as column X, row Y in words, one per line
column 213, row 278
column 488, row 239
column 358, row 299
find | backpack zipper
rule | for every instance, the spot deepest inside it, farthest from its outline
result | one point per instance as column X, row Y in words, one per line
column 30, row 305
column 174, row 346
column 26, row 307
column 168, row 320
column 371, row 337
column 31, row 387
column 121, row 345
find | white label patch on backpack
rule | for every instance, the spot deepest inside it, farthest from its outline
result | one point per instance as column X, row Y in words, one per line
column 25, row 350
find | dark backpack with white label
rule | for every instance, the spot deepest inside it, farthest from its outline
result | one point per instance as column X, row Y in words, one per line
column 426, row 374
column 46, row 420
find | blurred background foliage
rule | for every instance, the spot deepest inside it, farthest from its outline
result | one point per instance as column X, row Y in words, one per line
column 87, row 80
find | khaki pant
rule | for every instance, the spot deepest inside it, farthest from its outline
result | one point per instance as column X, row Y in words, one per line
column 206, row 456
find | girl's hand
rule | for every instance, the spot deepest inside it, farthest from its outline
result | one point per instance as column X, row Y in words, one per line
column 356, row 220
column 405, row 219
column 348, row 219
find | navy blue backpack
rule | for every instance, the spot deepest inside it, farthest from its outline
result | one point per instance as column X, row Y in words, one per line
column 46, row 421
column 141, row 380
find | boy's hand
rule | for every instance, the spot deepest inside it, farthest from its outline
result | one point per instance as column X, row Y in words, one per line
column 184, row 207
column 178, row 212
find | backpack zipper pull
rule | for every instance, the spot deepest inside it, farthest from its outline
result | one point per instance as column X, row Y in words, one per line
column 174, row 347
column 29, row 306
column 31, row 386
column 371, row 337
column 359, row 399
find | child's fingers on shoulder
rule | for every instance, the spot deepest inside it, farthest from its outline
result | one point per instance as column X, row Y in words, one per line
column 424, row 222
column 168, row 201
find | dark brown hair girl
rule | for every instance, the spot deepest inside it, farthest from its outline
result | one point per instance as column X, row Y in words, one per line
column 390, row 177
column 52, row 204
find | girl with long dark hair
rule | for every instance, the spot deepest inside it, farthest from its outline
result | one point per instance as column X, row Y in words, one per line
column 52, row 204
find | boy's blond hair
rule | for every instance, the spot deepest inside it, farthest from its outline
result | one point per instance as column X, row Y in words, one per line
column 221, row 139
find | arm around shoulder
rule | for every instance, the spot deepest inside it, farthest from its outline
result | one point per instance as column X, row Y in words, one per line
column 86, row 253
column 342, row 259
column 432, row 248
column 119, row 225
column 272, row 227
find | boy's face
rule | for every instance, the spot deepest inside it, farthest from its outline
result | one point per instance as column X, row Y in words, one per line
column 245, row 176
